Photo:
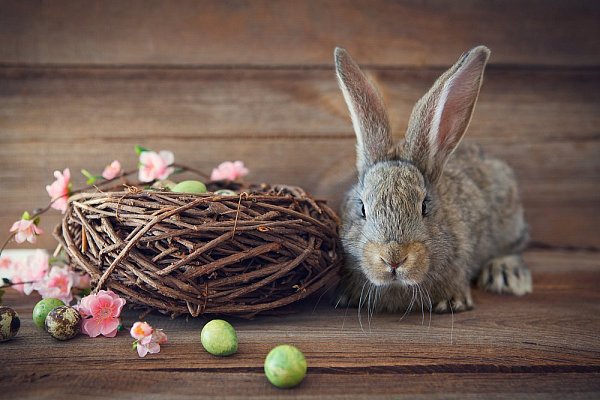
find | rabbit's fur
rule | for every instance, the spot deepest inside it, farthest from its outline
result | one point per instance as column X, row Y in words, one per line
column 424, row 221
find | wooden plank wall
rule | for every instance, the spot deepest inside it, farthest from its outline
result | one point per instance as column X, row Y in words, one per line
column 82, row 82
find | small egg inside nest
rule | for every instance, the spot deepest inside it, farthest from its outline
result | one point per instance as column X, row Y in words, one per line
column 234, row 254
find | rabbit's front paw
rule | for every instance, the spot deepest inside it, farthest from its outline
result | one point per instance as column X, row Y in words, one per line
column 507, row 274
column 456, row 303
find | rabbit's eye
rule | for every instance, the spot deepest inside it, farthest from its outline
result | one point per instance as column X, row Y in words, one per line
column 424, row 207
column 362, row 210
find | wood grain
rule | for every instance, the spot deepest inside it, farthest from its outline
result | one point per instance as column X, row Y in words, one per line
column 142, row 104
column 317, row 385
column 266, row 33
column 538, row 346
column 292, row 126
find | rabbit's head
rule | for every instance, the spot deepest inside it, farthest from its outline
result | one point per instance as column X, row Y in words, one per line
column 393, row 225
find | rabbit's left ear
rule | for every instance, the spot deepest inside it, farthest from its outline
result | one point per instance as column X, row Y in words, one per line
column 440, row 119
column 369, row 117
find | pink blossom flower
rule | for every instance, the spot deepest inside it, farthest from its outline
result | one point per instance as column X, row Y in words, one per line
column 5, row 263
column 148, row 340
column 81, row 281
column 140, row 330
column 59, row 190
column 26, row 229
column 229, row 171
column 101, row 313
column 112, row 171
column 6, row 268
column 28, row 274
column 57, row 284
column 156, row 165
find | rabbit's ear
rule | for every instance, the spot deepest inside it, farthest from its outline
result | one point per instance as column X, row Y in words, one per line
column 440, row 119
column 369, row 117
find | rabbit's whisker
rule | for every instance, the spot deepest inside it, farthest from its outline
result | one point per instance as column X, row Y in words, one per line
column 377, row 294
column 369, row 306
column 409, row 308
column 422, row 310
column 375, row 291
column 360, row 302
column 430, row 305
column 345, row 314
column 321, row 296
column 452, row 326
column 338, row 302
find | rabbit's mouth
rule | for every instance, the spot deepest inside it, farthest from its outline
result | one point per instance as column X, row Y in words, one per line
column 395, row 263
column 393, row 278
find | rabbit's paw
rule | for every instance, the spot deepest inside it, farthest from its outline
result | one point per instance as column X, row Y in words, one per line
column 456, row 303
column 507, row 275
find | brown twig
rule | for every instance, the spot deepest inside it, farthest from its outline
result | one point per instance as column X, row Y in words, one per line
column 7, row 285
column 237, row 213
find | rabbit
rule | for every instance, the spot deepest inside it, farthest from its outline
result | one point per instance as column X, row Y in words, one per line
column 424, row 220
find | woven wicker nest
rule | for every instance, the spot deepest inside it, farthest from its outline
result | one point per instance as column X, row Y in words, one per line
column 203, row 254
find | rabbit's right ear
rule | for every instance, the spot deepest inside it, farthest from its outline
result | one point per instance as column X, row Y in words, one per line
column 440, row 119
column 369, row 117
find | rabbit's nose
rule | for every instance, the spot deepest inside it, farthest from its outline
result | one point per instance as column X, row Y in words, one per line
column 393, row 264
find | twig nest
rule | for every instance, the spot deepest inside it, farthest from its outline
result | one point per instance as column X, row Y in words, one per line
column 9, row 323
column 195, row 254
column 63, row 323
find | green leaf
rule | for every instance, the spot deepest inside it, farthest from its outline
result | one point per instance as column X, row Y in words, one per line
column 56, row 260
column 1, row 295
column 139, row 149
column 134, row 345
column 85, row 292
column 91, row 179
column 26, row 216
column 36, row 220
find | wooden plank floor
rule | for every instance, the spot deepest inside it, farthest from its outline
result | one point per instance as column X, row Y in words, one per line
column 545, row 345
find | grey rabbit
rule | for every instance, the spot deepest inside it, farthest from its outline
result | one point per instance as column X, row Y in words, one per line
column 424, row 221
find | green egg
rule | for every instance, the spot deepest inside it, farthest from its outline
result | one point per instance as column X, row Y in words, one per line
column 219, row 338
column 164, row 184
column 63, row 323
column 189, row 187
column 9, row 323
column 42, row 308
column 285, row 366
column 226, row 192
